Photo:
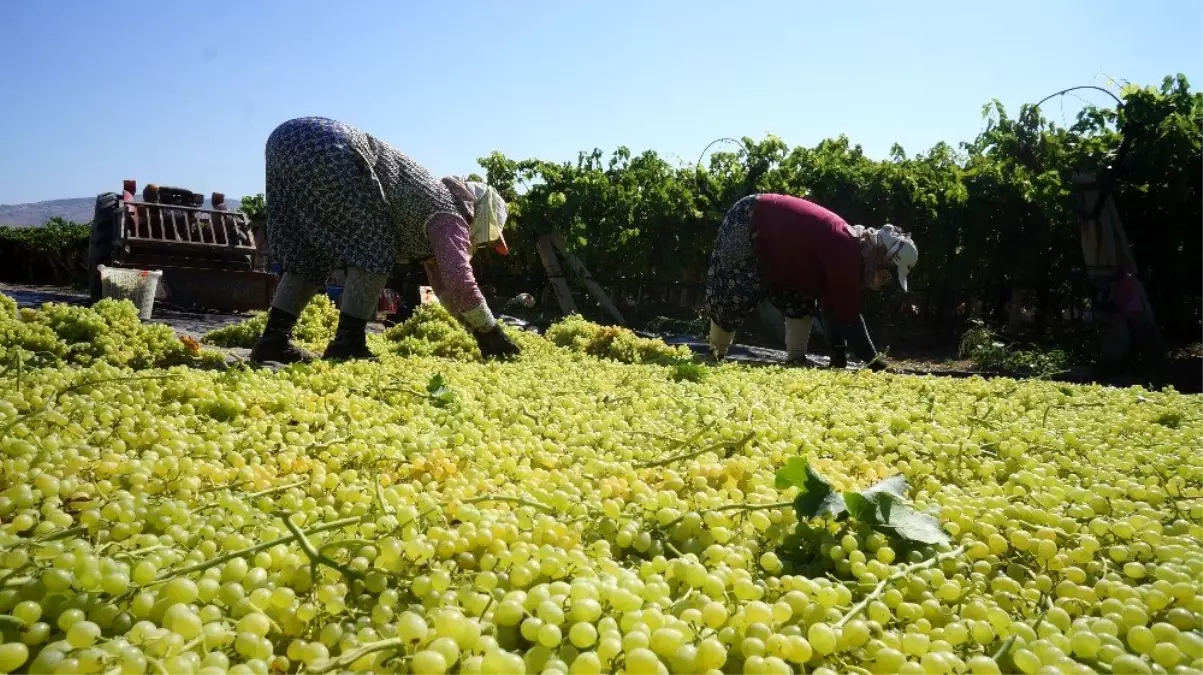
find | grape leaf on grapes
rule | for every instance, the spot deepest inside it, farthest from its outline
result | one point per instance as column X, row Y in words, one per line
column 440, row 393
column 908, row 523
column 894, row 485
column 792, row 474
column 860, row 508
column 885, row 505
column 873, row 504
column 816, row 498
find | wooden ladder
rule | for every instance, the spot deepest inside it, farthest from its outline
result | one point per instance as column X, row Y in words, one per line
column 552, row 241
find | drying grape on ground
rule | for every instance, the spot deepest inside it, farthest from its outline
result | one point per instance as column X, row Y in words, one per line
column 593, row 506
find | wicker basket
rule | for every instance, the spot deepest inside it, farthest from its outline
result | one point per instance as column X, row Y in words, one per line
column 137, row 286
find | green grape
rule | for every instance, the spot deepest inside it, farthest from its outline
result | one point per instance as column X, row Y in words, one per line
column 822, row 638
column 120, row 496
column 429, row 661
column 13, row 655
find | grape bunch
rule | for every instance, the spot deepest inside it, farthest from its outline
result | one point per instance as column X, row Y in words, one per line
column 431, row 331
column 613, row 342
column 110, row 331
column 567, row 514
column 314, row 328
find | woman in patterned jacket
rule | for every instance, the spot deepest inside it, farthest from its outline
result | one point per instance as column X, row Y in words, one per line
column 338, row 197
column 793, row 252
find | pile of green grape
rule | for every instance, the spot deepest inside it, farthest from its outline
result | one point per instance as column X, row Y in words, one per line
column 315, row 327
column 613, row 342
column 109, row 332
column 431, row 331
column 570, row 515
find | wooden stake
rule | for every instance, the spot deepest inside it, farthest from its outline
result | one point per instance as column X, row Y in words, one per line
column 579, row 268
column 547, row 252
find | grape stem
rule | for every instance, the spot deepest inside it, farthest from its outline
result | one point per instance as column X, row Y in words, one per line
column 53, row 536
column 251, row 495
column 315, row 558
column 167, row 575
column 137, row 551
column 713, row 447
column 900, row 574
column 495, row 498
column 384, row 505
column 511, row 500
column 157, row 664
column 1006, row 646
column 342, row 663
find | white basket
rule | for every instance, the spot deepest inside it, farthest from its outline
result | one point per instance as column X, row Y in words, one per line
column 137, row 286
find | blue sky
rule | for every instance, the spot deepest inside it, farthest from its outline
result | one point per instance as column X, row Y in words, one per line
column 200, row 85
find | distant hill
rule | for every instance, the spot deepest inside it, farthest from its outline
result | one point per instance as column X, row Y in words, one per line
column 78, row 209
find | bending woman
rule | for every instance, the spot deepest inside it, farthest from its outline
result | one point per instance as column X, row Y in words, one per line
column 340, row 198
column 793, row 253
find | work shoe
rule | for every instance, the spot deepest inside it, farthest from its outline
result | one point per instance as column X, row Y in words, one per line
column 839, row 358
column 280, row 349
column 276, row 344
column 350, row 340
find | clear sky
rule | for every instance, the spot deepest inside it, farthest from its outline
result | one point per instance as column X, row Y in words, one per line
column 186, row 92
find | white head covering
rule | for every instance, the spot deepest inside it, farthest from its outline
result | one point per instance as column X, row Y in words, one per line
column 489, row 216
column 899, row 249
column 484, row 210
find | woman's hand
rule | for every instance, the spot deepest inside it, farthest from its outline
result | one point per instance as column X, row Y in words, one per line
column 494, row 343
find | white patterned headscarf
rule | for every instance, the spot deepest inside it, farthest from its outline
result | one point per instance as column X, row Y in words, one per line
column 484, row 210
column 889, row 246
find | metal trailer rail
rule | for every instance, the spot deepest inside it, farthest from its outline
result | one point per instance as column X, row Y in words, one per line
column 211, row 258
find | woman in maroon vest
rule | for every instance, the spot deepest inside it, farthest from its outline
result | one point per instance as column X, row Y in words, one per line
column 793, row 253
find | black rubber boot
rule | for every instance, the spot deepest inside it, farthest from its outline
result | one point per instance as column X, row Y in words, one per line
column 839, row 357
column 276, row 344
column 350, row 340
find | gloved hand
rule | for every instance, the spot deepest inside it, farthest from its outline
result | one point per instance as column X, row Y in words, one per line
column 494, row 343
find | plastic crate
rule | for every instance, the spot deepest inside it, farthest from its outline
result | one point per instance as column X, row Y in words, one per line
column 334, row 292
column 138, row 286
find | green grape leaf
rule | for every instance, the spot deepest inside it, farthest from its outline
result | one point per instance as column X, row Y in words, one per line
column 885, row 505
column 817, row 498
column 793, row 474
column 440, row 393
column 894, row 485
column 860, row 507
column 436, row 384
column 914, row 525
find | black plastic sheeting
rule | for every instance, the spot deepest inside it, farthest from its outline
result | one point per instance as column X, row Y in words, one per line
column 742, row 353
column 35, row 296
column 745, row 354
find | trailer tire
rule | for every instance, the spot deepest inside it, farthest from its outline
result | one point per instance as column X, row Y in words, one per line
column 103, row 239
